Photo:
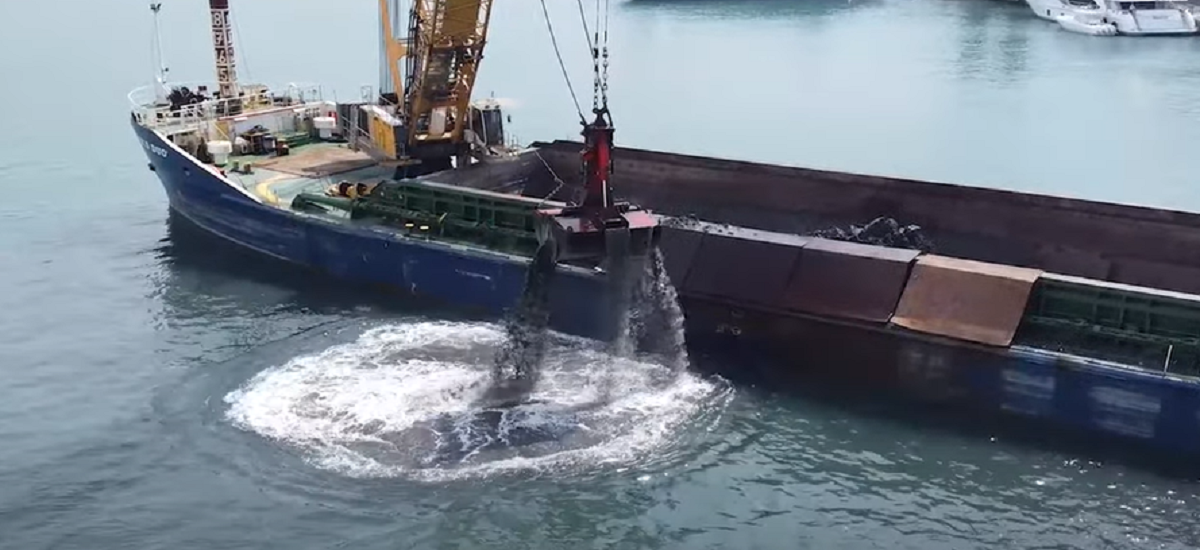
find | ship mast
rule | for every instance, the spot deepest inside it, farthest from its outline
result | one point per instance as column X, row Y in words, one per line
column 160, row 69
column 222, row 35
column 427, row 79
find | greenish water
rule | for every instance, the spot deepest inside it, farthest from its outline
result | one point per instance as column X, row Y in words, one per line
column 160, row 392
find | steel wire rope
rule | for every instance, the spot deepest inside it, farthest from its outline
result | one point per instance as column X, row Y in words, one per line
column 583, row 19
column 554, row 175
column 237, row 33
column 561, row 64
column 600, row 77
column 604, row 76
column 594, row 51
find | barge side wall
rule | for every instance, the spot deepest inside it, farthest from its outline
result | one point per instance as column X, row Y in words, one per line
column 926, row 326
column 1142, row 246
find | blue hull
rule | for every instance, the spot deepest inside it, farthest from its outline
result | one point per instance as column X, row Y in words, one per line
column 485, row 282
column 1161, row 411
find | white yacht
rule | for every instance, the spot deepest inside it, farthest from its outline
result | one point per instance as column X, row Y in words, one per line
column 1113, row 17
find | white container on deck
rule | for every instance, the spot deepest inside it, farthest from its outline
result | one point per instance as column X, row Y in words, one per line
column 437, row 122
column 220, row 151
column 325, row 126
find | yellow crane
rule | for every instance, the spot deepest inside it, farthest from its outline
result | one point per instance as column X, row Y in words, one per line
column 428, row 117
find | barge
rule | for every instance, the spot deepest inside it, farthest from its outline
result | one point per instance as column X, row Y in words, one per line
column 1079, row 313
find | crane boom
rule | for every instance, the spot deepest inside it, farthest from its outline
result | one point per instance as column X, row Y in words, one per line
column 450, row 36
column 441, row 58
column 394, row 49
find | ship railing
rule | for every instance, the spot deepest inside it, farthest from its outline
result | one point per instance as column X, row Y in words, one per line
column 151, row 111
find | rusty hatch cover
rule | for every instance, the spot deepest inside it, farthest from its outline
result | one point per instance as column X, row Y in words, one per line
column 678, row 248
column 744, row 270
column 965, row 299
column 849, row 280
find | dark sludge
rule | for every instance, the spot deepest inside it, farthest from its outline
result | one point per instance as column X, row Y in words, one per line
column 518, row 362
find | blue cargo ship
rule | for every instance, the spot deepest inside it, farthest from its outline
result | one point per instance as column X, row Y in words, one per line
column 473, row 277
column 332, row 186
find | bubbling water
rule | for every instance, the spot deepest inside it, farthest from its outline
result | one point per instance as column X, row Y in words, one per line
column 407, row 401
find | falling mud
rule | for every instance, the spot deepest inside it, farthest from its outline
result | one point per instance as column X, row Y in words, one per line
column 641, row 309
column 657, row 326
column 517, row 366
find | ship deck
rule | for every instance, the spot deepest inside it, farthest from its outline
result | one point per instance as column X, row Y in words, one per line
column 313, row 167
column 308, row 168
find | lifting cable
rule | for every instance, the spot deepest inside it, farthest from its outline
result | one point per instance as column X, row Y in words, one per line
column 583, row 19
column 598, row 50
column 561, row 65
column 603, row 77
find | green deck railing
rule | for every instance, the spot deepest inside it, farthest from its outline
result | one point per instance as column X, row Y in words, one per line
column 491, row 220
column 1152, row 329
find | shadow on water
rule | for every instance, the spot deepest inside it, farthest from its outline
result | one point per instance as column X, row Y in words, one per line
column 761, row 371
column 748, row 9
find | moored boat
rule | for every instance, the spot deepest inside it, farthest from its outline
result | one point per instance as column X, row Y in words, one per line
column 1113, row 17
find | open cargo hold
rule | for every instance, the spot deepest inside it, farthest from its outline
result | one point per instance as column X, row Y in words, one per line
column 1113, row 242
column 970, row 301
column 743, row 265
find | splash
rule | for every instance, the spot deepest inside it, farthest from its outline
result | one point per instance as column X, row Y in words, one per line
column 657, row 318
column 637, row 290
column 623, row 272
column 404, row 401
column 648, row 317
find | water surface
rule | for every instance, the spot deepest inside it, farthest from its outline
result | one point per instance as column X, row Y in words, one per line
column 159, row 392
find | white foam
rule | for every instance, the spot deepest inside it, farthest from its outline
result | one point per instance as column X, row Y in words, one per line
column 386, row 404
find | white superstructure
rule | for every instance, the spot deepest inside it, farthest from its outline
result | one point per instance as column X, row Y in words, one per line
column 1113, row 17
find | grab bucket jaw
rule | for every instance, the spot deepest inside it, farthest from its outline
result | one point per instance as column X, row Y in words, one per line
column 582, row 235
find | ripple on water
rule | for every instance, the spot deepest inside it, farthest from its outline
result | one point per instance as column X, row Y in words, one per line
column 405, row 401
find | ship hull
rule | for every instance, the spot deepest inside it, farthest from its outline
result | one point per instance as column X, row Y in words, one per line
column 1160, row 411
column 477, row 280
column 1102, row 403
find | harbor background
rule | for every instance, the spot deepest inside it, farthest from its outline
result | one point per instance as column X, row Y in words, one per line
column 125, row 343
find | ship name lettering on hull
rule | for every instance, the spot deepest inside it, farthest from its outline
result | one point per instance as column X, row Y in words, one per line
column 154, row 148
